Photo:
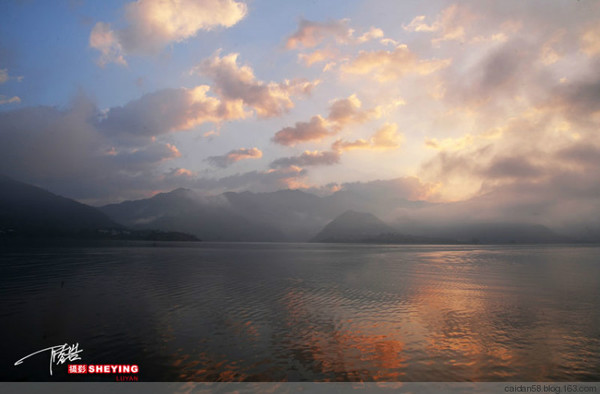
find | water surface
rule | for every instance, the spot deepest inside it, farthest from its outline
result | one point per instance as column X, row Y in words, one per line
column 306, row 312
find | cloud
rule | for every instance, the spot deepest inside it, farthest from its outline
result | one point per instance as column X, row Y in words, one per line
column 153, row 24
column 386, row 137
column 348, row 110
column 342, row 112
column 140, row 158
column 391, row 65
column 372, row 34
column 318, row 56
column 105, row 40
column 578, row 99
column 81, row 151
column 310, row 34
column 238, row 84
column 512, row 167
column 450, row 25
column 314, row 130
column 590, row 40
column 5, row 77
column 180, row 172
column 235, row 155
column 9, row 100
column 308, row 158
column 291, row 177
column 168, row 110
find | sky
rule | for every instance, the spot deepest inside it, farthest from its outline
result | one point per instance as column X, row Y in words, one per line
column 491, row 102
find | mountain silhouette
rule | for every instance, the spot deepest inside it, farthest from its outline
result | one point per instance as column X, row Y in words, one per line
column 27, row 211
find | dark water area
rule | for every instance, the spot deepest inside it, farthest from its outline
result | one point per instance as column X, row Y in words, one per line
column 304, row 312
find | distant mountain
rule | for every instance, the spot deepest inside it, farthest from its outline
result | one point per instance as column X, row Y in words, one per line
column 360, row 227
column 352, row 226
column 27, row 210
column 299, row 216
column 209, row 218
column 284, row 215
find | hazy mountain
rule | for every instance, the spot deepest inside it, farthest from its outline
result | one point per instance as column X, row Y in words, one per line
column 284, row 215
column 209, row 218
column 27, row 210
column 293, row 215
column 296, row 214
column 363, row 227
column 352, row 226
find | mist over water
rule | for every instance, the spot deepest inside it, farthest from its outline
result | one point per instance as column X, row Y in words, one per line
column 306, row 312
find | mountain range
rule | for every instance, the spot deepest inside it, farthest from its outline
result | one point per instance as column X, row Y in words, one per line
column 27, row 211
column 350, row 215
column 298, row 216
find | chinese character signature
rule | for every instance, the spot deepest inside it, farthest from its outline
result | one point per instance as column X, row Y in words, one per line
column 59, row 354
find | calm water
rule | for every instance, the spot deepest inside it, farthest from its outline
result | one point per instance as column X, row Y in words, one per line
column 298, row 312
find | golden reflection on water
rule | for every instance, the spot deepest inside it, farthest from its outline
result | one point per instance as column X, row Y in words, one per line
column 451, row 326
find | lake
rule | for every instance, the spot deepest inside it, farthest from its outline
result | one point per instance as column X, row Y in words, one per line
column 305, row 312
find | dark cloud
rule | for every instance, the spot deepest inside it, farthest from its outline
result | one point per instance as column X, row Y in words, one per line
column 512, row 167
column 233, row 156
column 308, row 158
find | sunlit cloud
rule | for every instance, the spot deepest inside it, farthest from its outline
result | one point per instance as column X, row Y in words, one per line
column 169, row 110
column 385, row 65
column 234, row 156
column 103, row 39
column 314, row 130
column 236, row 83
column 317, row 56
column 590, row 40
column 152, row 24
column 450, row 25
column 310, row 34
column 348, row 110
column 181, row 172
column 386, row 137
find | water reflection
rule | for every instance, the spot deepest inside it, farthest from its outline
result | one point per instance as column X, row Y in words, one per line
column 248, row 312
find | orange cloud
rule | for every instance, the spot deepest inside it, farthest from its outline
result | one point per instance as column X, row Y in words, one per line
column 590, row 41
column 387, row 137
column 315, row 129
column 183, row 172
column 238, row 83
column 348, row 110
column 450, row 24
column 152, row 24
column 390, row 65
column 235, row 156
column 169, row 110
column 318, row 56
column 310, row 34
